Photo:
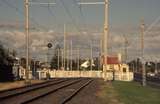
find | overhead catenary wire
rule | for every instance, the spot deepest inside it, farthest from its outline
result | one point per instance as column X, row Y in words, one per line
column 22, row 13
column 76, row 2
column 71, row 17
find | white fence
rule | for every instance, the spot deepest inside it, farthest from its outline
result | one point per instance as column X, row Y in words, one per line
column 96, row 74
column 128, row 76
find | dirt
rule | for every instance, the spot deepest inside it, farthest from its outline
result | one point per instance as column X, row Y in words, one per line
column 89, row 95
column 98, row 92
column 15, row 84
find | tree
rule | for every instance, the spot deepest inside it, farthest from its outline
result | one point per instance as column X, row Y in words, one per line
column 23, row 62
column 54, row 60
column 6, row 63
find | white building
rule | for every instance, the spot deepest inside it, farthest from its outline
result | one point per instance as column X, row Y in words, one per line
column 120, row 70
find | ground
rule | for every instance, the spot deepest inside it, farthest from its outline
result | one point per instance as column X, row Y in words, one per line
column 108, row 94
column 103, row 92
column 99, row 92
column 135, row 93
column 15, row 84
column 118, row 92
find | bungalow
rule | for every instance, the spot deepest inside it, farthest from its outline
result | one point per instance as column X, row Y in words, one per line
column 117, row 70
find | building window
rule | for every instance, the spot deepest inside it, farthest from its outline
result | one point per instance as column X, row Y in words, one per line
column 124, row 70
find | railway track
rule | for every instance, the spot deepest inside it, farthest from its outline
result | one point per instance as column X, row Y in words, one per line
column 27, row 86
column 75, row 92
column 61, row 95
column 35, row 93
column 19, row 95
column 17, row 91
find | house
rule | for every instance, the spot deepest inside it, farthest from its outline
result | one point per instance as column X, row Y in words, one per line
column 116, row 69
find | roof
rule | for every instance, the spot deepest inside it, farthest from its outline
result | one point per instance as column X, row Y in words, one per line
column 112, row 60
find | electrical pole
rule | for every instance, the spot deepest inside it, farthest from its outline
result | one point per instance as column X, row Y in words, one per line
column 64, row 45
column 91, row 57
column 78, row 59
column 125, row 49
column 99, row 62
column 67, row 57
column 47, row 57
column 58, row 57
column 27, row 40
column 62, row 59
column 71, row 56
column 106, row 32
column 156, row 67
column 100, row 55
column 142, row 54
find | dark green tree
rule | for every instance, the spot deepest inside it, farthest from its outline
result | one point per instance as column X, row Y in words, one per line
column 54, row 60
column 6, row 63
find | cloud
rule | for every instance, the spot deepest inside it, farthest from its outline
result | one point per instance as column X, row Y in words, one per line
column 15, row 39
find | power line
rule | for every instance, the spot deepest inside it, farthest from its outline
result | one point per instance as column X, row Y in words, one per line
column 22, row 13
column 83, row 16
column 70, row 15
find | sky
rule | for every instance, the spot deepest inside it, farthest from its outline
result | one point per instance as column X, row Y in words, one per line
column 83, row 24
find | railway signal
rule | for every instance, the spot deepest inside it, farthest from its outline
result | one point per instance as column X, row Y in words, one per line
column 49, row 45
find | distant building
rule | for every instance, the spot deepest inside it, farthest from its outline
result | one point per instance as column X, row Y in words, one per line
column 115, row 65
column 16, row 68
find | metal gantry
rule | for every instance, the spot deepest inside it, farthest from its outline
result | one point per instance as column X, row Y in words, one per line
column 27, row 4
column 106, row 29
column 104, row 37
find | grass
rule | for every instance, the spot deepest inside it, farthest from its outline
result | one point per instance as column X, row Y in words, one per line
column 134, row 93
column 108, row 95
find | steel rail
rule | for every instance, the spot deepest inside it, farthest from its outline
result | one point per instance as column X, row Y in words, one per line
column 36, row 84
column 76, row 92
column 32, row 89
column 51, row 92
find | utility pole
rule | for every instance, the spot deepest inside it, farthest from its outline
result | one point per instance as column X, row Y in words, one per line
column 99, row 62
column 62, row 59
column 78, row 59
column 27, row 81
column 142, row 54
column 58, row 57
column 64, row 49
column 156, row 67
column 106, row 32
column 91, row 57
column 68, row 57
column 71, row 56
column 125, row 49
column 100, row 55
